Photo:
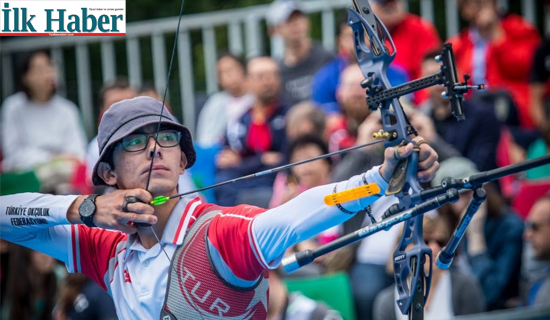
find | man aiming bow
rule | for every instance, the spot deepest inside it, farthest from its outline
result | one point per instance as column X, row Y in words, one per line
column 207, row 261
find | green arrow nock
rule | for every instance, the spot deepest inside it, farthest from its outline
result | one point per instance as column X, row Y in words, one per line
column 158, row 200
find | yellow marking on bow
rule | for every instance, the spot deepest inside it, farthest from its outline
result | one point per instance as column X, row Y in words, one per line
column 352, row 194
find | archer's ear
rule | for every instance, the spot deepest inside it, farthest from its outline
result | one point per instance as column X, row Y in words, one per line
column 107, row 174
column 183, row 162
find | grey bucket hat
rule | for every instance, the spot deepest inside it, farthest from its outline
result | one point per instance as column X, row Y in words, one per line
column 127, row 116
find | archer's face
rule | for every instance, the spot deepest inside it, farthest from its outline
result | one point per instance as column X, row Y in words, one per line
column 132, row 168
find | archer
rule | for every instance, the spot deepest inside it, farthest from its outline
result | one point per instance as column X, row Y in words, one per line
column 216, row 257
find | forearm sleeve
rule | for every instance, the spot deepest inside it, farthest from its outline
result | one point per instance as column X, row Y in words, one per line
column 307, row 215
column 37, row 221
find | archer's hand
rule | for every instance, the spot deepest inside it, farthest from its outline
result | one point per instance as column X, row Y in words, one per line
column 427, row 160
column 109, row 214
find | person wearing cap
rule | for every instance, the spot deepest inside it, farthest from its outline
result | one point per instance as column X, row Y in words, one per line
column 195, row 260
column 302, row 57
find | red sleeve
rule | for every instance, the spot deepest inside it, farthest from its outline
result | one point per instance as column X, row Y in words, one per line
column 230, row 232
column 92, row 250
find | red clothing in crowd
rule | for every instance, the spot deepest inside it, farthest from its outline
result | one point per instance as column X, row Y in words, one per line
column 508, row 63
column 414, row 37
column 341, row 137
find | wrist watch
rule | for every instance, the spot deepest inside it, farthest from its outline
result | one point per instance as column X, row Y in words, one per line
column 87, row 210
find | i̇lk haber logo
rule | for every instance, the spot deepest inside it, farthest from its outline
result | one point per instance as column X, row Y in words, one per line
column 62, row 18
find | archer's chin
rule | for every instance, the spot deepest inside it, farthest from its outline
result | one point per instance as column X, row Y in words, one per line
column 162, row 188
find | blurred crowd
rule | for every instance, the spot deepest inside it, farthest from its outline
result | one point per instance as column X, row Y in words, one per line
column 310, row 102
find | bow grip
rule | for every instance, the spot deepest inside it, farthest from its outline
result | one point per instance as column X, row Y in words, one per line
column 405, row 170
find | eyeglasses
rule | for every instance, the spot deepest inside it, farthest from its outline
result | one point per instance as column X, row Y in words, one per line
column 441, row 243
column 139, row 141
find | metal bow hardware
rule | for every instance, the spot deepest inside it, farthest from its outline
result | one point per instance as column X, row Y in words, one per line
column 374, row 58
column 413, row 283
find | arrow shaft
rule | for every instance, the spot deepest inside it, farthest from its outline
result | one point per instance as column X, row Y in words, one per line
column 277, row 169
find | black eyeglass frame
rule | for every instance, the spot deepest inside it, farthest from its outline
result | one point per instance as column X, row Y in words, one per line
column 148, row 137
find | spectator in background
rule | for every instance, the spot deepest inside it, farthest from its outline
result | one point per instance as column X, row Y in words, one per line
column 224, row 108
column 451, row 293
column 540, row 100
column 111, row 92
column 32, row 285
column 412, row 35
column 477, row 137
column 256, row 142
column 302, row 56
column 307, row 175
column 493, row 238
column 148, row 89
column 539, row 148
column 80, row 298
column 326, row 80
column 294, row 306
column 537, row 233
column 540, row 85
column 497, row 50
column 303, row 119
column 40, row 128
column 300, row 178
column 351, row 98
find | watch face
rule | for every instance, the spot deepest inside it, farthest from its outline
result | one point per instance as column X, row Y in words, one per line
column 87, row 208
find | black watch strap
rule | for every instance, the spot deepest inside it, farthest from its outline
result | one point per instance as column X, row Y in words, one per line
column 89, row 220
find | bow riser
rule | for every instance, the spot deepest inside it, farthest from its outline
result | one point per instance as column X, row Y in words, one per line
column 411, row 281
